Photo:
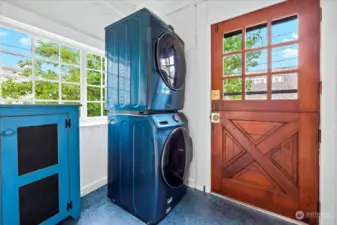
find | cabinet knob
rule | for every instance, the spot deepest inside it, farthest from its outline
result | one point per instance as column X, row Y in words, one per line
column 7, row 132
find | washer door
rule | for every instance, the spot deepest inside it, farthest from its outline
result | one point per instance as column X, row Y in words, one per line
column 174, row 161
column 170, row 60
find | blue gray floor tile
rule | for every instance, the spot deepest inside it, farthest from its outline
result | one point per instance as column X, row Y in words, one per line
column 196, row 208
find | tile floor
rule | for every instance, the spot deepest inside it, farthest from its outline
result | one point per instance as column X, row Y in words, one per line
column 196, row 208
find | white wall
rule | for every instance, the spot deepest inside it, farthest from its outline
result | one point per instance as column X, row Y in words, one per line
column 197, row 106
column 93, row 157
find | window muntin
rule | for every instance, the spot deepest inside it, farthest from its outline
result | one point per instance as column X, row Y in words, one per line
column 268, row 52
column 41, row 71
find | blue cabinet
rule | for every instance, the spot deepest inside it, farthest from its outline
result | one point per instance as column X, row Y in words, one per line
column 39, row 164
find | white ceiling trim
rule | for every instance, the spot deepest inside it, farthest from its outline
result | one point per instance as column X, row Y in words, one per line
column 101, row 5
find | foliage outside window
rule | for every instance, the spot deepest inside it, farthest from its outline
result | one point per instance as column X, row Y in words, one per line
column 40, row 71
column 95, row 85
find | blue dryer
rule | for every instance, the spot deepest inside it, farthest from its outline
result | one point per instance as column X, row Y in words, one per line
column 145, row 64
column 149, row 157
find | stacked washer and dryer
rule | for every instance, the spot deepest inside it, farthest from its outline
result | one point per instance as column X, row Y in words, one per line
column 149, row 147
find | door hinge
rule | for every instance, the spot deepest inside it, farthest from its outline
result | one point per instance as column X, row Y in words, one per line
column 321, row 14
column 216, row 107
column 318, row 206
column 68, row 123
column 320, row 87
column 69, row 205
column 319, row 136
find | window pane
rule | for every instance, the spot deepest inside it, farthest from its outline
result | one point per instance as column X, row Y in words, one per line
column 285, row 57
column 94, row 109
column 15, row 61
column 256, row 36
column 103, row 93
column 47, row 50
column 256, row 88
column 70, row 73
column 232, row 41
column 70, row 55
column 46, row 70
column 46, row 90
column 285, row 29
column 232, row 89
column 284, row 86
column 103, row 65
column 232, row 65
column 13, row 41
column 94, row 94
column 16, row 87
column 47, row 103
column 71, row 92
column 103, row 78
column 93, row 77
column 17, row 102
column 94, row 61
column 105, row 112
column 256, row 62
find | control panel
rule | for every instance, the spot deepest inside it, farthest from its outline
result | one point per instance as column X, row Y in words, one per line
column 167, row 120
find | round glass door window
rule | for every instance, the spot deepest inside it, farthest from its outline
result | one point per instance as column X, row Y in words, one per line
column 174, row 158
column 170, row 58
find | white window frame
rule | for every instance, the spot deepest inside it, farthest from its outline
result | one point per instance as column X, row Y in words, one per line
column 36, row 33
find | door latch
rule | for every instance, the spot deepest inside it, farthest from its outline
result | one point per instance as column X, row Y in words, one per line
column 7, row 132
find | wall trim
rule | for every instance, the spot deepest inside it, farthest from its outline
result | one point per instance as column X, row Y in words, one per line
column 93, row 186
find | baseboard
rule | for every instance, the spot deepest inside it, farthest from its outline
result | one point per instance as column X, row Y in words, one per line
column 191, row 183
column 93, row 186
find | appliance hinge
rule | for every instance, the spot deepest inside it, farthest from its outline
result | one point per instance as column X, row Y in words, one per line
column 319, row 136
column 69, row 205
column 68, row 123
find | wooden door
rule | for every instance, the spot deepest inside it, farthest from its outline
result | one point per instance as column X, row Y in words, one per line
column 265, row 108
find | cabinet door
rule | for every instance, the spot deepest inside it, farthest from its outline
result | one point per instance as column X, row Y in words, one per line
column 35, row 179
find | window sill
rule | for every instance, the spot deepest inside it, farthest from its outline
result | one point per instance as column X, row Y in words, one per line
column 93, row 121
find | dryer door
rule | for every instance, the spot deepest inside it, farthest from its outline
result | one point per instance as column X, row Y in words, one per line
column 170, row 60
column 175, row 157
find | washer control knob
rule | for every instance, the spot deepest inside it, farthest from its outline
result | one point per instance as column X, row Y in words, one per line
column 176, row 118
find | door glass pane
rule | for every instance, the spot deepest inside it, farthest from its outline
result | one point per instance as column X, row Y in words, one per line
column 284, row 30
column 256, row 62
column 285, row 58
column 256, row 88
column 232, row 89
column 232, row 41
column 256, row 36
column 284, row 86
column 232, row 65
column 174, row 159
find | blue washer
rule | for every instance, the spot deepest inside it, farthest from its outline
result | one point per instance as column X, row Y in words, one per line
column 148, row 162
column 145, row 64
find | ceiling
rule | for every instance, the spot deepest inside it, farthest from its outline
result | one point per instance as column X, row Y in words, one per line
column 90, row 17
